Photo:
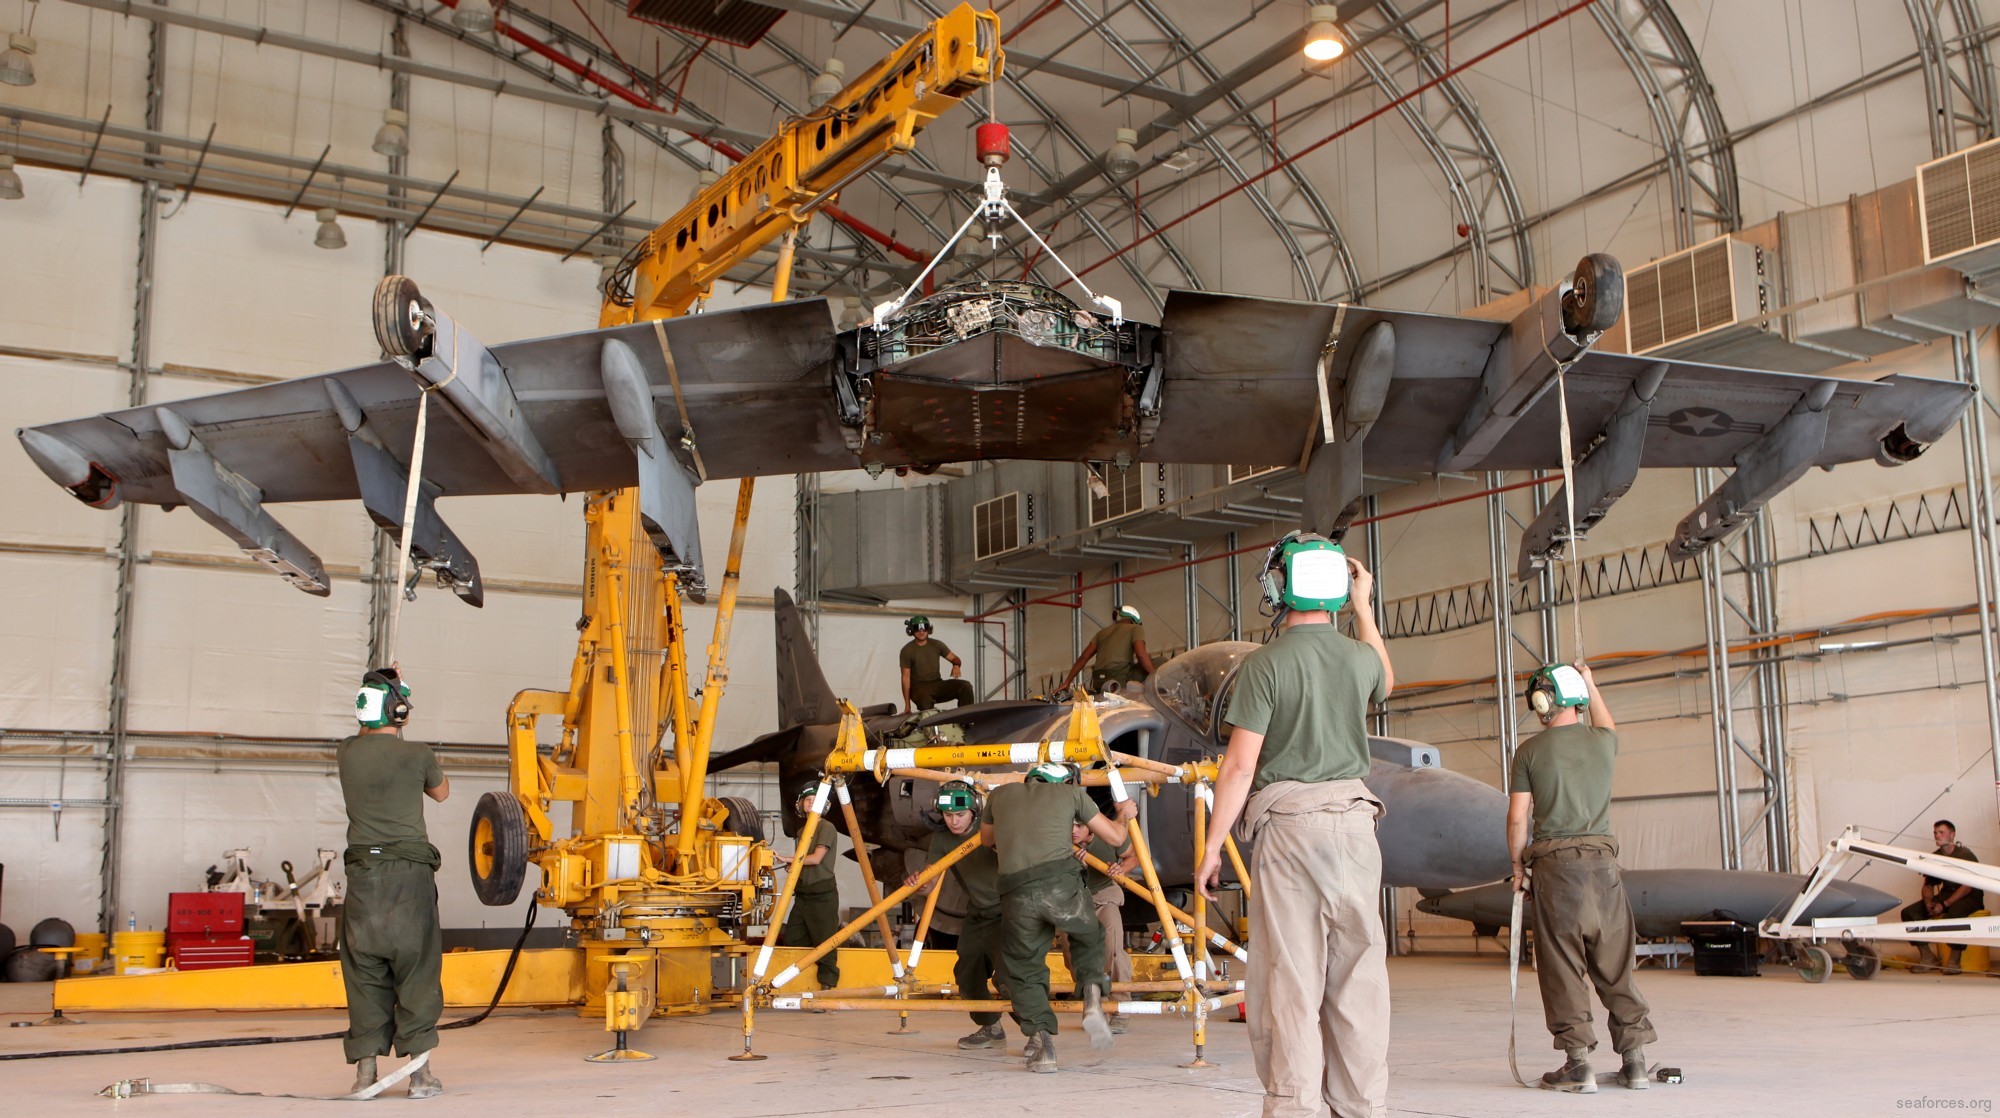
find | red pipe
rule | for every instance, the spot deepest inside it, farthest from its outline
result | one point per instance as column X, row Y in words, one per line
column 1447, row 75
column 640, row 100
column 1077, row 592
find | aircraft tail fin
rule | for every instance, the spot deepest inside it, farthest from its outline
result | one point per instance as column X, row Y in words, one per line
column 804, row 695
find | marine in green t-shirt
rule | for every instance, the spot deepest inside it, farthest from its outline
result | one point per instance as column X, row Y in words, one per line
column 1567, row 769
column 1030, row 823
column 1096, row 881
column 815, row 914
column 921, row 662
column 979, row 960
column 391, row 947
column 1117, row 654
column 1308, row 693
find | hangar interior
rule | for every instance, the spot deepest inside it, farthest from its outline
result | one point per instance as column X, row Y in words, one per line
column 198, row 196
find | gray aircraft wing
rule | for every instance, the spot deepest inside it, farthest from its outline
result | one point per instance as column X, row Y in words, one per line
column 1417, row 393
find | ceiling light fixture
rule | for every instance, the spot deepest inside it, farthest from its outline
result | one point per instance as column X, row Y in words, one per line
column 827, row 82
column 10, row 180
column 330, row 235
column 1122, row 159
column 17, row 62
column 1323, row 34
column 473, row 16
column 393, row 138
column 1183, row 159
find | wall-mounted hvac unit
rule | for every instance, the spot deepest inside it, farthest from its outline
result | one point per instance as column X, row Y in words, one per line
column 1959, row 207
column 1708, row 303
column 1001, row 525
column 883, row 544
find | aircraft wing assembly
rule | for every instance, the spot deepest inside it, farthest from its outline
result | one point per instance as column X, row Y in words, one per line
column 997, row 369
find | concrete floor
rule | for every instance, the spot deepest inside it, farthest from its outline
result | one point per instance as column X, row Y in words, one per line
column 1767, row 1045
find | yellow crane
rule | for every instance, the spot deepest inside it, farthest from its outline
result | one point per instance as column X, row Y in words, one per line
column 656, row 876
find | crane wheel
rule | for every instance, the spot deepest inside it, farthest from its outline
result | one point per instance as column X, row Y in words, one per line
column 1596, row 296
column 1815, row 963
column 497, row 851
column 403, row 320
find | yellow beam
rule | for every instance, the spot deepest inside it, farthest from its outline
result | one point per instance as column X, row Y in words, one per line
column 550, row 977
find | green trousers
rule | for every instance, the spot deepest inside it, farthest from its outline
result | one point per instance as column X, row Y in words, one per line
column 391, row 958
column 1116, row 673
column 1035, row 904
column 927, row 694
column 815, row 916
column 979, row 960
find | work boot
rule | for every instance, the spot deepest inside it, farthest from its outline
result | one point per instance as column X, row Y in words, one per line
column 1926, row 960
column 1633, row 1072
column 1117, row 1024
column 1574, row 1076
column 424, row 1085
column 1094, row 1024
column 985, row 1036
column 1042, row 1053
column 364, row 1073
column 1950, row 964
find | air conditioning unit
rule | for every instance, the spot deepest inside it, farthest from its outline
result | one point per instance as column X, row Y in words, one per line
column 1708, row 303
column 1959, row 200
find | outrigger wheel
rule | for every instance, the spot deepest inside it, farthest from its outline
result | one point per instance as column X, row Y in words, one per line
column 1815, row 963
column 403, row 321
column 497, row 851
column 1595, row 299
column 1861, row 961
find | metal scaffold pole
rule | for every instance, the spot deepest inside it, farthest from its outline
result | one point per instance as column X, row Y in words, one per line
column 1980, row 518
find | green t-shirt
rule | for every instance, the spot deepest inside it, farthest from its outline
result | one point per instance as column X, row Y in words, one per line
column 978, row 873
column 1567, row 769
column 382, row 780
column 922, row 660
column 1031, row 822
column 1115, row 644
column 1308, row 692
column 819, row 878
column 1101, row 850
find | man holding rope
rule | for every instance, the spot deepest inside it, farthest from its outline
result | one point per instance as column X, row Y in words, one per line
column 1583, row 923
column 1317, row 993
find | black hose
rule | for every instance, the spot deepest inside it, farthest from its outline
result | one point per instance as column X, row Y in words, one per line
column 506, row 976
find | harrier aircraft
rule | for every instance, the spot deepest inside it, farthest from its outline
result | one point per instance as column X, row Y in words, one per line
column 1444, row 833
column 985, row 370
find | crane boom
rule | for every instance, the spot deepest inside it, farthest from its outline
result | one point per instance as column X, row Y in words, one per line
column 804, row 165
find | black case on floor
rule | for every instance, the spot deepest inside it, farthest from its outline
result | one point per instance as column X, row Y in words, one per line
column 1723, row 947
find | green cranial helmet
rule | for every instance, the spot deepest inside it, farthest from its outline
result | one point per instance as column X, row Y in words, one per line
column 918, row 622
column 957, row 795
column 1050, row 772
column 1304, row 571
column 1554, row 687
column 382, row 700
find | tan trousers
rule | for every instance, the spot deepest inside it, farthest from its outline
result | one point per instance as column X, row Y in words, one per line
column 1318, row 987
column 1583, row 942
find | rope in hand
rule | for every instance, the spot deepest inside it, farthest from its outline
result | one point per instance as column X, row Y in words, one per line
column 410, row 490
column 1569, row 517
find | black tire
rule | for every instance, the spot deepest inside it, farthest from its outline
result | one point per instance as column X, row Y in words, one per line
column 29, row 964
column 402, row 316
column 1862, row 962
column 1815, row 963
column 497, row 848
column 1596, row 297
column 744, row 818
column 53, row 932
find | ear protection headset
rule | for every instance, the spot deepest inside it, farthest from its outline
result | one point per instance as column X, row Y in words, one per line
column 1053, row 772
column 918, row 622
column 383, row 700
column 1304, row 571
column 1556, row 687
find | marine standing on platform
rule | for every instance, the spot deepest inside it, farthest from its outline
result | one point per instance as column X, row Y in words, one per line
column 1117, row 654
column 1318, row 983
column 1583, row 922
column 923, row 684
column 391, row 949
column 1041, row 893
column 815, row 911
column 978, row 874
